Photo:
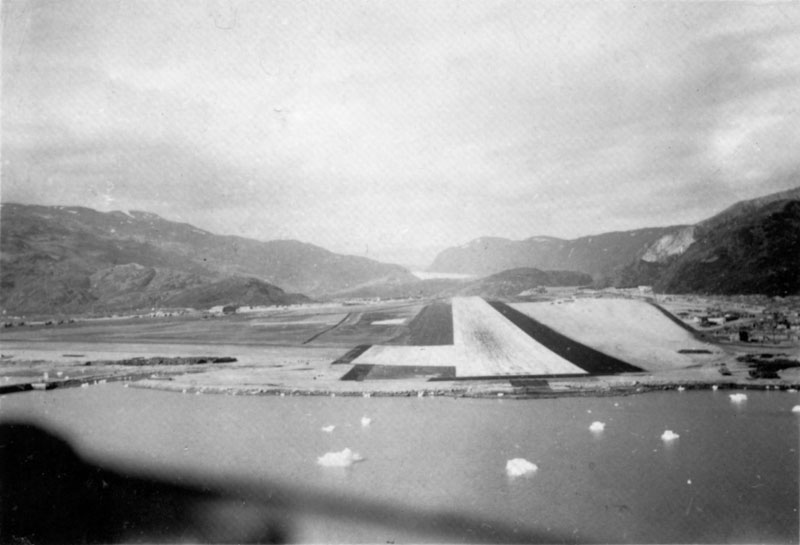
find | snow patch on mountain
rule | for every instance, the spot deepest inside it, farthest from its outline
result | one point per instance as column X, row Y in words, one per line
column 669, row 245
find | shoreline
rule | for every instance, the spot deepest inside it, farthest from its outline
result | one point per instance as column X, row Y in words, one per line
column 301, row 373
column 493, row 388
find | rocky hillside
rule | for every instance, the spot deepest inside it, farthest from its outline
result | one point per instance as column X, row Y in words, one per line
column 73, row 259
column 237, row 291
column 751, row 247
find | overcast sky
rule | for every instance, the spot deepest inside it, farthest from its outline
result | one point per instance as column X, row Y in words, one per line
column 394, row 129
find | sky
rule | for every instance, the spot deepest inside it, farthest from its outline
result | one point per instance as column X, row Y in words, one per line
column 395, row 129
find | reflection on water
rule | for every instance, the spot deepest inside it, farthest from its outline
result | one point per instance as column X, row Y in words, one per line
column 730, row 475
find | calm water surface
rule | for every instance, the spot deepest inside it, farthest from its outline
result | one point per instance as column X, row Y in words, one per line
column 732, row 476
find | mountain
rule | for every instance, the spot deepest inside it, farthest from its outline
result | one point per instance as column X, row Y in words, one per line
column 597, row 255
column 72, row 259
column 751, row 247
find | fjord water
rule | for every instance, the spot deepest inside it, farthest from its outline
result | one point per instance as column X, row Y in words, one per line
column 731, row 476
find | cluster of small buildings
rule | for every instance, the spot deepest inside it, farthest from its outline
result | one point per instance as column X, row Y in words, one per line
column 773, row 322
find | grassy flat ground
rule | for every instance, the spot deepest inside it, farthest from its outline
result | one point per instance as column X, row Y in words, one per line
column 286, row 326
column 291, row 350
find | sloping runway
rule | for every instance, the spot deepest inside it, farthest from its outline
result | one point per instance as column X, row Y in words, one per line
column 586, row 357
column 484, row 344
column 489, row 344
column 574, row 338
column 630, row 330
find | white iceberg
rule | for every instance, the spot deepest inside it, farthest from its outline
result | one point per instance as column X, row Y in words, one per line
column 328, row 429
column 365, row 421
column 519, row 467
column 796, row 409
column 345, row 458
column 669, row 435
column 738, row 398
column 597, row 426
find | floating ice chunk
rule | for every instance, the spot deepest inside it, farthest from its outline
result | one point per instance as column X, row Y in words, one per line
column 328, row 429
column 715, row 387
column 597, row 426
column 681, row 388
column 519, row 467
column 792, row 390
column 796, row 409
column 669, row 435
column 365, row 421
column 738, row 398
column 345, row 458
